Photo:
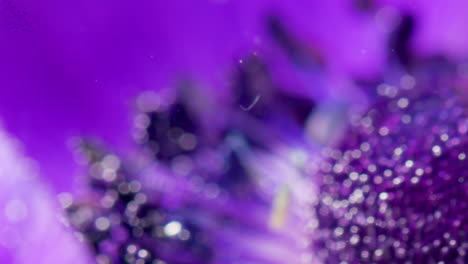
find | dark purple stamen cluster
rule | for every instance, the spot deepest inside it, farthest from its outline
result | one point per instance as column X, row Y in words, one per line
column 132, row 219
column 395, row 190
column 127, row 226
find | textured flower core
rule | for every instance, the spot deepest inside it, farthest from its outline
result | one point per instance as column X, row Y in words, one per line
column 395, row 190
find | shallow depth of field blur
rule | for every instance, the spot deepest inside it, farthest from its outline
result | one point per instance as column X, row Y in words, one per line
column 200, row 131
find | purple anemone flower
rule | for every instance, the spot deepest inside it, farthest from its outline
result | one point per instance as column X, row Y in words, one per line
column 217, row 132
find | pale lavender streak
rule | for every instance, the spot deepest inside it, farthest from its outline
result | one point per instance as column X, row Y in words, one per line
column 31, row 227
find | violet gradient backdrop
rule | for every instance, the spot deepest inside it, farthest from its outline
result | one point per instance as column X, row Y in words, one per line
column 72, row 68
